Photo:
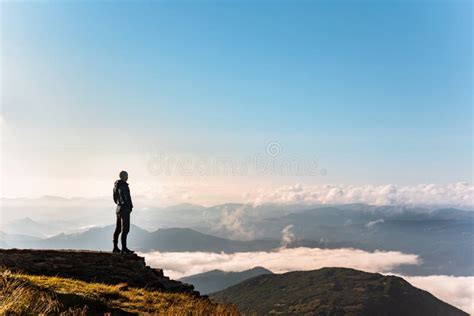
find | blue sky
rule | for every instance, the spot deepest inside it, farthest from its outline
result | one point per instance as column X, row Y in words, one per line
column 379, row 91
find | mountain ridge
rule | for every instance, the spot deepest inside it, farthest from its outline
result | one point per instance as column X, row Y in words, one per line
column 333, row 291
column 215, row 280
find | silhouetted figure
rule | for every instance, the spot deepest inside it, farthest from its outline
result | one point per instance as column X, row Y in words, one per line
column 124, row 207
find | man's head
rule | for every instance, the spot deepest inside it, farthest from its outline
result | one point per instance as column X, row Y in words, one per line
column 123, row 175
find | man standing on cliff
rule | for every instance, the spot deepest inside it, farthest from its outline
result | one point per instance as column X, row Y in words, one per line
column 124, row 207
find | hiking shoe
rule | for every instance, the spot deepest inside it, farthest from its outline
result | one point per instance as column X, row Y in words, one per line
column 126, row 250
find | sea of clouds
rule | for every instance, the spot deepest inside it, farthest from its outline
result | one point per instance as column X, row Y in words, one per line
column 180, row 264
column 457, row 194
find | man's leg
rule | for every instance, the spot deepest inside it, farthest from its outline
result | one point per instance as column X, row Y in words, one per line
column 125, row 228
column 118, row 229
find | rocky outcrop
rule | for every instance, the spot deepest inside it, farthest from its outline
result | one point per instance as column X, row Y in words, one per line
column 91, row 266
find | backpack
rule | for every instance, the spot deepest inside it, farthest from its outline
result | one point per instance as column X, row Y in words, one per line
column 116, row 193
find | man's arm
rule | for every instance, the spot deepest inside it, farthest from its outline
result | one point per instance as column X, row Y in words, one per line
column 115, row 195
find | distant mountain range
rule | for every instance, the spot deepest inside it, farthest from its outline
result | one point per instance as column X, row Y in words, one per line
column 166, row 239
column 443, row 238
column 333, row 291
column 216, row 280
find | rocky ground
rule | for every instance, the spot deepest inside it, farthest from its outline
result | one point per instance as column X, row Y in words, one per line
column 91, row 266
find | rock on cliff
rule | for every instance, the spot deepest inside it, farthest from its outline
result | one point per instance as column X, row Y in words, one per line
column 91, row 266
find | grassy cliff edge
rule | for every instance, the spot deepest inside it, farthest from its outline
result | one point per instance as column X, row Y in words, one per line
column 34, row 295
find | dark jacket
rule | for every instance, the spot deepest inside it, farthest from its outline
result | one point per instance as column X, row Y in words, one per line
column 122, row 196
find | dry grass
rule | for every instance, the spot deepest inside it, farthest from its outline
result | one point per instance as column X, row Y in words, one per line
column 22, row 294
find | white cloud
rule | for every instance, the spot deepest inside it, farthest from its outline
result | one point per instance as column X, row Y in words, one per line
column 231, row 221
column 179, row 264
column 373, row 223
column 457, row 291
column 287, row 236
column 461, row 194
